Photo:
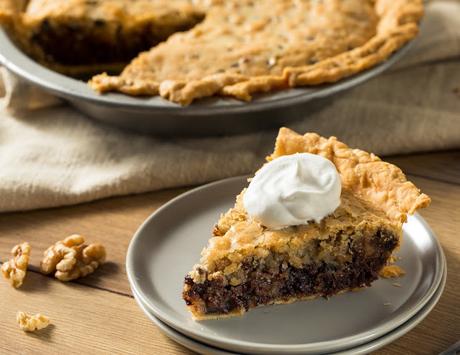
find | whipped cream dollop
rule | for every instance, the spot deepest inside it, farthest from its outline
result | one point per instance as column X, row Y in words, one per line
column 293, row 190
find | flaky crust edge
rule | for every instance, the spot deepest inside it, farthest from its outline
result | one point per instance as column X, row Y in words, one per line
column 399, row 23
column 382, row 184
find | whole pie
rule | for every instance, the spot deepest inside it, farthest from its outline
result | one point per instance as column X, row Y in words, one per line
column 247, row 264
column 227, row 47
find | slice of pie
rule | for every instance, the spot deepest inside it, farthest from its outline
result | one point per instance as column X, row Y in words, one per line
column 244, row 47
column 246, row 264
column 82, row 36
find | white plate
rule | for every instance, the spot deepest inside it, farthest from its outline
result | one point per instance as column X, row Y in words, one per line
column 361, row 349
column 169, row 242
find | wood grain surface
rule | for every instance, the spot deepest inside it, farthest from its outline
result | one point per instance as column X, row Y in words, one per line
column 97, row 314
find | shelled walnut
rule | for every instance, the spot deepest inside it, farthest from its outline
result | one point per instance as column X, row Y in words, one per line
column 15, row 269
column 30, row 323
column 71, row 259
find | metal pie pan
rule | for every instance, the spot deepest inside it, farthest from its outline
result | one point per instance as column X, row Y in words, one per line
column 169, row 242
column 205, row 117
column 366, row 348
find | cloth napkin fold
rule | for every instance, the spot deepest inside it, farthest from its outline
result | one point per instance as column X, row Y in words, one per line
column 51, row 155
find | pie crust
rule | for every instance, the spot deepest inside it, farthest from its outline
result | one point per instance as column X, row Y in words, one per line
column 246, row 264
column 242, row 47
column 246, row 47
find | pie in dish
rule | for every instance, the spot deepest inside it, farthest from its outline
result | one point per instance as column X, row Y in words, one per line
column 247, row 264
column 89, row 36
column 228, row 48
column 244, row 47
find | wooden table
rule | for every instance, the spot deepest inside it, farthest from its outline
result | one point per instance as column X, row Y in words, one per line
column 98, row 314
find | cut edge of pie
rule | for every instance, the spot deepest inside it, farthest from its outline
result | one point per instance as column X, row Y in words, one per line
column 246, row 265
column 81, row 38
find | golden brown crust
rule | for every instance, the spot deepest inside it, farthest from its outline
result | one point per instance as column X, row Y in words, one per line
column 11, row 7
column 11, row 19
column 128, row 13
column 343, row 39
column 391, row 271
column 380, row 183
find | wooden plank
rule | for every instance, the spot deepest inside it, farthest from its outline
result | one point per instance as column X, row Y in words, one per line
column 111, row 221
column 84, row 320
column 442, row 326
column 436, row 332
column 442, row 166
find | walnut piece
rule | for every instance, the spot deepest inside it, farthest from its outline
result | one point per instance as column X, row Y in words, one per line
column 15, row 269
column 71, row 259
column 30, row 323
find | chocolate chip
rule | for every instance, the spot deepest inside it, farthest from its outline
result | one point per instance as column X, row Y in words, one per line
column 99, row 23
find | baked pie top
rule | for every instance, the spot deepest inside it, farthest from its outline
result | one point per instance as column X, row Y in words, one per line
column 375, row 195
column 129, row 13
column 246, row 46
column 240, row 48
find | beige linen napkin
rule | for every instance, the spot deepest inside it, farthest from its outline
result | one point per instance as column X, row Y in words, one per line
column 51, row 155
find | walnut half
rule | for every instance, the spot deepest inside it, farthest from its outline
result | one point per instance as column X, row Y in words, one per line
column 71, row 259
column 15, row 269
column 30, row 323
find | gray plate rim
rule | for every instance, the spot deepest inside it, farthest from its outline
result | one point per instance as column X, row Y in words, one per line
column 240, row 345
column 373, row 345
column 20, row 64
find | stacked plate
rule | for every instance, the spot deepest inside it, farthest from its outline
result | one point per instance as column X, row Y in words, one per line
column 169, row 242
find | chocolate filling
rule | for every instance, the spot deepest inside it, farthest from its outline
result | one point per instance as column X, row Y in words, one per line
column 100, row 42
column 265, row 284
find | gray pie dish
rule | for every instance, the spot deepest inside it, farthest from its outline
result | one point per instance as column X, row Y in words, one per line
column 169, row 242
column 212, row 116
